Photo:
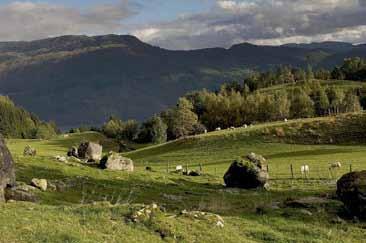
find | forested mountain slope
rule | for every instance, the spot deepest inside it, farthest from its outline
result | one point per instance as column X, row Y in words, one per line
column 79, row 79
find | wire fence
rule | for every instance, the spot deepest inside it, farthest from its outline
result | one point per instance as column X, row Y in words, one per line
column 292, row 171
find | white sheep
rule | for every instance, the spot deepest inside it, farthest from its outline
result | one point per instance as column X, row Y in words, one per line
column 218, row 129
column 335, row 165
column 179, row 168
column 305, row 169
column 285, row 120
column 245, row 126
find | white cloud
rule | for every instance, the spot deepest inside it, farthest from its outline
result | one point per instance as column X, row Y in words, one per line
column 26, row 20
column 264, row 21
column 227, row 23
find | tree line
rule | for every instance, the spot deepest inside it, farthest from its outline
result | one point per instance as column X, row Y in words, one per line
column 201, row 111
column 236, row 104
column 16, row 122
column 352, row 69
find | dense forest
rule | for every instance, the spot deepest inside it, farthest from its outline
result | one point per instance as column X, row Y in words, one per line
column 15, row 122
column 243, row 103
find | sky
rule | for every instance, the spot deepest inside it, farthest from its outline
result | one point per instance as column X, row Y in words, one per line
column 188, row 24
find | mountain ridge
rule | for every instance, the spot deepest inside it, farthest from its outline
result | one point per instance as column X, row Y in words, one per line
column 82, row 80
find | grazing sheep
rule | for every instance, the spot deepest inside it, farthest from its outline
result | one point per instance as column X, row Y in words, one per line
column 285, row 120
column 232, row 128
column 335, row 165
column 245, row 126
column 179, row 168
column 305, row 169
column 218, row 129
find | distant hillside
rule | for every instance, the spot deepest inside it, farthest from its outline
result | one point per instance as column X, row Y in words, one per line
column 15, row 122
column 82, row 80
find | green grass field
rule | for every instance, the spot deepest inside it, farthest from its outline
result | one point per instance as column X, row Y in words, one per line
column 97, row 204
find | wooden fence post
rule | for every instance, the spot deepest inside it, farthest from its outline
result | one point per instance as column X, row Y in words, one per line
column 292, row 172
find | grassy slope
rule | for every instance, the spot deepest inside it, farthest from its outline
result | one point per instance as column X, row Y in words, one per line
column 68, row 216
column 342, row 84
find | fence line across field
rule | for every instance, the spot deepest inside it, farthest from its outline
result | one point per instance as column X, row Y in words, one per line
column 276, row 171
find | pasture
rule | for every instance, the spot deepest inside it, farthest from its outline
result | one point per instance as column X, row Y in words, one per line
column 97, row 204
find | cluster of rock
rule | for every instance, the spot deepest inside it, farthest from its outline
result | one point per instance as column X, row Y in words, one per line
column 248, row 174
column 212, row 218
column 92, row 153
column 146, row 213
column 351, row 190
column 29, row 151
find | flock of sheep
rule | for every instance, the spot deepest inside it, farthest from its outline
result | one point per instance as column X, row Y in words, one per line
column 305, row 169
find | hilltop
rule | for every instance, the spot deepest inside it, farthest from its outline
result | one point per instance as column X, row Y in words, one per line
column 56, row 78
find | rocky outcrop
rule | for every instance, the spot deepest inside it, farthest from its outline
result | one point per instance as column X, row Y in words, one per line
column 351, row 190
column 90, row 151
column 7, row 171
column 247, row 174
column 117, row 162
column 21, row 193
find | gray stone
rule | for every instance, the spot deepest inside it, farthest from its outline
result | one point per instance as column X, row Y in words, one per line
column 40, row 184
column 117, row 162
column 90, row 151
column 7, row 171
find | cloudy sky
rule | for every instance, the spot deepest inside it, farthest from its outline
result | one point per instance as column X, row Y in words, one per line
column 188, row 24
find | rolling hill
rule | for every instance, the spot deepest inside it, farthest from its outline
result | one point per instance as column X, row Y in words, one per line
column 82, row 80
column 96, row 206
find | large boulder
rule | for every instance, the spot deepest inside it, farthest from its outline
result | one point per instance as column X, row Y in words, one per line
column 114, row 161
column 351, row 190
column 90, row 151
column 29, row 151
column 7, row 171
column 247, row 175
